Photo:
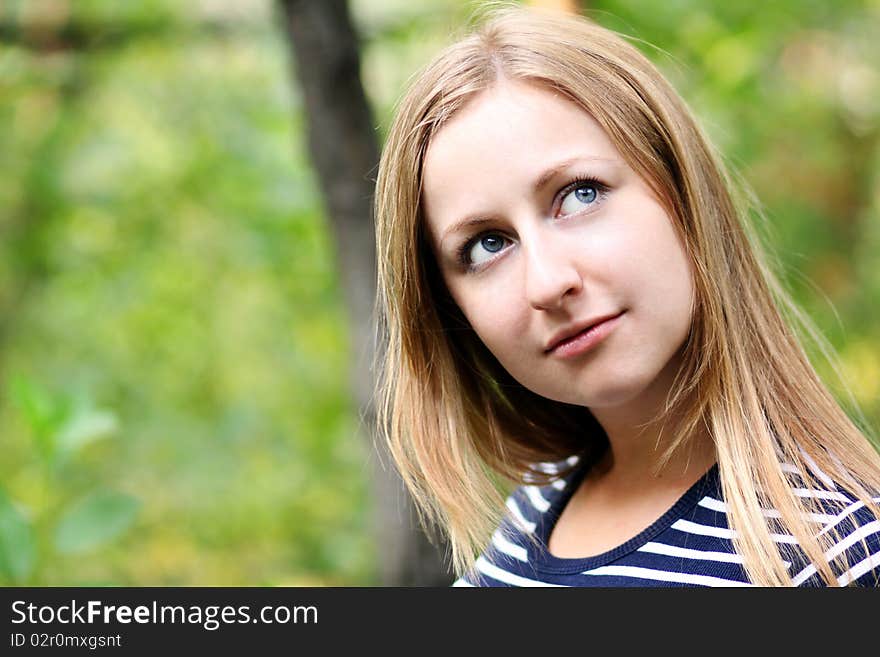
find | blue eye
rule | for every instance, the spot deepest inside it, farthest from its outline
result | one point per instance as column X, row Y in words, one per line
column 585, row 194
column 490, row 243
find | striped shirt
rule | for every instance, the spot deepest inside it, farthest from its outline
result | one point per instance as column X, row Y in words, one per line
column 689, row 545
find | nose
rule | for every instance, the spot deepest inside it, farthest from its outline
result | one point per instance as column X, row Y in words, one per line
column 551, row 273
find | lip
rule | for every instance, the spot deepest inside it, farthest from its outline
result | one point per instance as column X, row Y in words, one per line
column 578, row 338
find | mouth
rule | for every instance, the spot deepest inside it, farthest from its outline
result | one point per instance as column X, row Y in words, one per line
column 584, row 334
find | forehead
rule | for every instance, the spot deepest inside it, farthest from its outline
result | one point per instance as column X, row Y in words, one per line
column 510, row 110
column 500, row 141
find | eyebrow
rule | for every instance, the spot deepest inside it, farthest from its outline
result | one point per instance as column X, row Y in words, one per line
column 544, row 179
column 540, row 183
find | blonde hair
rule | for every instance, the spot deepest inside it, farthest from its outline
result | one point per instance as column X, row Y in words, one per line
column 461, row 428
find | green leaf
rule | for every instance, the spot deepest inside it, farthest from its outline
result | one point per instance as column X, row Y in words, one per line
column 43, row 412
column 85, row 428
column 17, row 550
column 33, row 400
column 95, row 520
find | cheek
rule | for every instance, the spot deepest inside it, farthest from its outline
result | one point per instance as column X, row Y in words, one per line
column 497, row 315
column 672, row 273
column 666, row 281
column 652, row 253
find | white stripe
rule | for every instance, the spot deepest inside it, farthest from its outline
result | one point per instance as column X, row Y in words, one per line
column 688, row 553
column 853, row 573
column 821, row 476
column 526, row 525
column 507, row 547
column 549, row 468
column 703, row 530
column 862, row 532
column 821, row 494
column 855, row 506
column 856, row 536
column 495, row 572
column 809, row 492
column 717, row 505
column 572, row 460
column 804, row 575
column 664, row 576
column 559, row 484
column 713, row 504
column 784, row 538
column 462, row 582
column 864, row 566
column 719, row 532
column 536, row 498
column 821, row 518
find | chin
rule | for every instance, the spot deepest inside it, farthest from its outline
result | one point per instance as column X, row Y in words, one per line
column 609, row 399
column 619, row 392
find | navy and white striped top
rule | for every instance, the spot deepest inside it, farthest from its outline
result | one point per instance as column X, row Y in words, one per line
column 690, row 545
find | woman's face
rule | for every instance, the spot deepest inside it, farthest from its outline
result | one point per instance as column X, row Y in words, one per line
column 539, row 228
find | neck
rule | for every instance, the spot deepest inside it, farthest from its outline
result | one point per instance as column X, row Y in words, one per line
column 637, row 444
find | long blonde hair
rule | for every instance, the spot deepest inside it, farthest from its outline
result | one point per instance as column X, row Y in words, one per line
column 461, row 428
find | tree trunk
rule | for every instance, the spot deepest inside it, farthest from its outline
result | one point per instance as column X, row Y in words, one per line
column 345, row 153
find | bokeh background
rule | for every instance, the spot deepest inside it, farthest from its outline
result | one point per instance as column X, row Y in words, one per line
column 174, row 346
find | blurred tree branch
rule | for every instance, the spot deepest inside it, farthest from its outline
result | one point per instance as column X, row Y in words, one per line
column 344, row 150
column 79, row 35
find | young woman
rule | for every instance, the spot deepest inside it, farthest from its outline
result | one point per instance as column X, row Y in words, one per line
column 573, row 303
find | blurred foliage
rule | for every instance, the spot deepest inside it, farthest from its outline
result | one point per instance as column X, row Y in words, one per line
column 173, row 347
column 61, row 430
column 164, row 254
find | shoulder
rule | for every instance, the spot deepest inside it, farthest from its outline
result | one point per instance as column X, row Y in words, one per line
column 849, row 526
column 855, row 535
column 529, row 507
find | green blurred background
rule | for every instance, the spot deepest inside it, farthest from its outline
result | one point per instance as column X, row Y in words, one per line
column 174, row 403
